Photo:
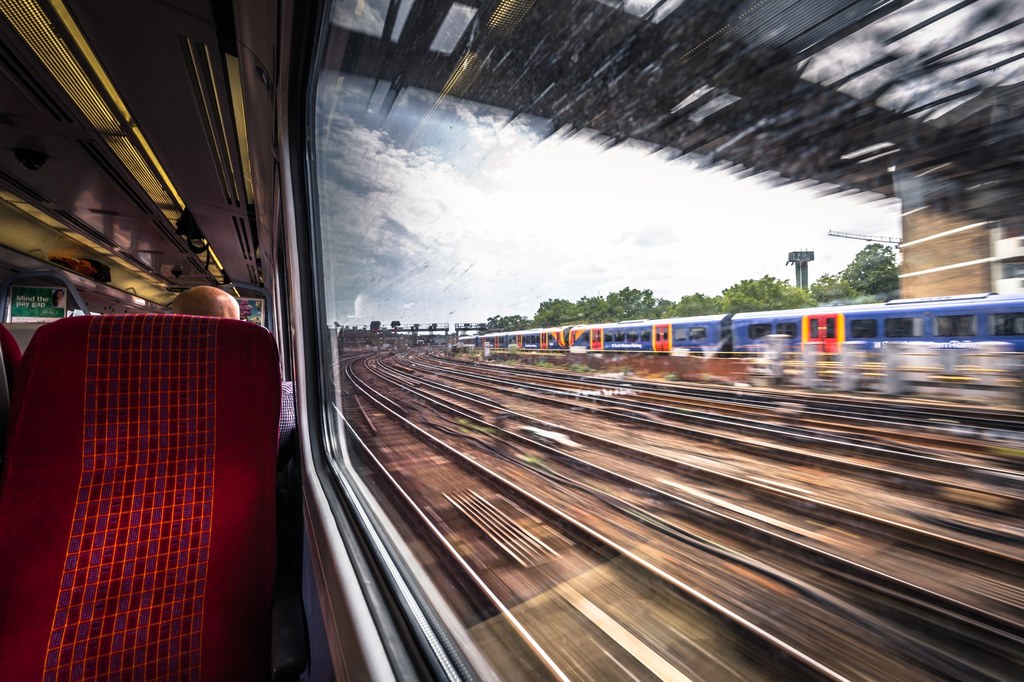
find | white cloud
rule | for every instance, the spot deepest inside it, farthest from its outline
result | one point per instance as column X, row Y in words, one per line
column 477, row 215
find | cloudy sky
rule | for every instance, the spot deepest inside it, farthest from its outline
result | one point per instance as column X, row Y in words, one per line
column 454, row 211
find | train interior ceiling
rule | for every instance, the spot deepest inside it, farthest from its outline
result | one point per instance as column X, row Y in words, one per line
column 137, row 143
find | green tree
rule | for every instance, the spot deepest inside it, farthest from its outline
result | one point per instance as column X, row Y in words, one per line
column 631, row 304
column 873, row 271
column 832, row 289
column 767, row 293
column 592, row 309
column 696, row 304
column 662, row 308
column 554, row 312
column 508, row 323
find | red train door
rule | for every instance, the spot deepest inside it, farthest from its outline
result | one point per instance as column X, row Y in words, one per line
column 597, row 339
column 826, row 331
column 543, row 340
column 661, row 338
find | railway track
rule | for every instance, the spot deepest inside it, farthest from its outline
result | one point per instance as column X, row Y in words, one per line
column 767, row 498
column 989, row 483
column 741, row 532
column 871, row 412
column 548, row 579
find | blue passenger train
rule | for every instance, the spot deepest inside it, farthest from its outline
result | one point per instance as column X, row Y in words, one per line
column 944, row 322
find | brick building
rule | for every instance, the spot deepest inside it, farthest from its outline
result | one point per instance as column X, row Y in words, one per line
column 963, row 215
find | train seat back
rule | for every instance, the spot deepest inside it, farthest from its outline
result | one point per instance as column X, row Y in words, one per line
column 137, row 501
column 10, row 358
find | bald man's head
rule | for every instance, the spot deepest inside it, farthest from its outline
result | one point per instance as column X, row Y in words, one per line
column 206, row 301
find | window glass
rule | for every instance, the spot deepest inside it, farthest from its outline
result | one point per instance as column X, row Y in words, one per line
column 600, row 161
column 863, row 329
column 1014, row 269
column 904, row 327
column 1008, row 324
column 830, row 328
column 956, row 325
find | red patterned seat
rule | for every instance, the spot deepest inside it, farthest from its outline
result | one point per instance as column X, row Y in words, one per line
column 137, row 502
column 11, row 359
column 11, row 353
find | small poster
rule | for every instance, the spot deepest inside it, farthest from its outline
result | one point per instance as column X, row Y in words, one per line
column 38, row 304
column 251, row 309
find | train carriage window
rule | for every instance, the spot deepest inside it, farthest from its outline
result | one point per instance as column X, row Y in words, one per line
column 541, row 150
column 757, row 331
column 863, row 329
column 1008, row 324
column 956, row 325
column 904, row 327
column 787, row 328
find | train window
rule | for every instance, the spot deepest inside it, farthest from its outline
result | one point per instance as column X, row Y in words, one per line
column 787, row 328
column 1008, row 324
column 757, row 331
column 904, row 327
column 490, row 158
column 863, row 329
column 956, row 325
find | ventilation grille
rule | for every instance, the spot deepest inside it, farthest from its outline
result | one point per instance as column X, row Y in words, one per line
column 141, row 264
column 243, row 237
column 71, row 220
column 110, row 170
column 21, row 189
column 214, row 112
column 31, row 86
